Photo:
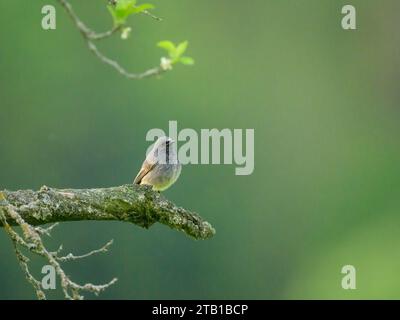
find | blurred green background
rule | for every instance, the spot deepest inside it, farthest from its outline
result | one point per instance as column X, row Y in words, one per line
column 324, row 104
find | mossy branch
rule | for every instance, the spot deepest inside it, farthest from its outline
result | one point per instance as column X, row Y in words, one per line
column 130, row 203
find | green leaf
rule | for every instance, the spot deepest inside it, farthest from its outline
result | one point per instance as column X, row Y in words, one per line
column 181, row 48
column 179, row 51
column 113, row 14
column 176, row 52
column 143, row 7
column 168, row 46
column 124, row 8
column 188, row 61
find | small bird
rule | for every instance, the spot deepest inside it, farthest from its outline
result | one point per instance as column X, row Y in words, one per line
column 161, row 167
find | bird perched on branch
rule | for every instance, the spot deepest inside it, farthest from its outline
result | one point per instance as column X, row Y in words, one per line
column 161, row 167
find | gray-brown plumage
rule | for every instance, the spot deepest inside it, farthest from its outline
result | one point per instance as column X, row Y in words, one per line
column 161, row 167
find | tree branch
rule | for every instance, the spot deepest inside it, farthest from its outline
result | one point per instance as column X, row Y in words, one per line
column 130, row 203
column 89, row 36
column 32, row 241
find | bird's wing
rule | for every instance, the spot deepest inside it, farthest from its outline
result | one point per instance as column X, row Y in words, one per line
column 146, row 168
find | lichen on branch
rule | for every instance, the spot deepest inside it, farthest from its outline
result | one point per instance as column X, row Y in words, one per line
column 136, row 204
column 139, row 205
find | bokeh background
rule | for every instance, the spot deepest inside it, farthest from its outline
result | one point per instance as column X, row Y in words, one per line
column 324, row 104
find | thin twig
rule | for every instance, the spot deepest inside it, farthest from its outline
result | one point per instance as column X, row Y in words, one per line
column 71, row 257
column 89, row 35
column 46, row 231
column 22, row 259
column 86, row 32
column 32, row 241
column 148, row 13
column 148, row 73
